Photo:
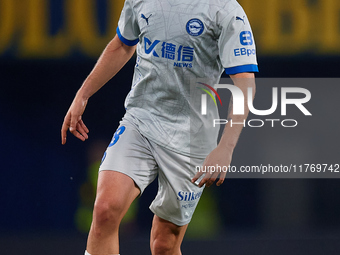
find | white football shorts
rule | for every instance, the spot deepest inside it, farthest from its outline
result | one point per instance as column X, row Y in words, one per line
column 133, row 154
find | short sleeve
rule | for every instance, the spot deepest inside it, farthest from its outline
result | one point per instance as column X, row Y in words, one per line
column 236, row 43
column 128, row 29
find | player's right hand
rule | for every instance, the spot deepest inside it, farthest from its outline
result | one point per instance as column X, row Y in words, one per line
column 220, row 156
column 73, row 121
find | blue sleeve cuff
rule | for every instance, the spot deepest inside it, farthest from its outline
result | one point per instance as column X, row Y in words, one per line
column 242, row 69
column 126, row 41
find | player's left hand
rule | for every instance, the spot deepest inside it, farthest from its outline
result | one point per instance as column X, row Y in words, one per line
column 220, row 156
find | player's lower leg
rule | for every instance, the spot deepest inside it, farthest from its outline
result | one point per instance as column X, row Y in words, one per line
column 115, row 193
column 166, row 237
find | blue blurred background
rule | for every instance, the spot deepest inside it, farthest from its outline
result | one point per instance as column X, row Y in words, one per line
column 48, row 47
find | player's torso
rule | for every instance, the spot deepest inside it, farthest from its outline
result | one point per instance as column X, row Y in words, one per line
column 179, row 33
column 178, row 46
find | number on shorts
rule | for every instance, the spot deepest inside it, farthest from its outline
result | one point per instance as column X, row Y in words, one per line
column 116, row 135
column 103, row 158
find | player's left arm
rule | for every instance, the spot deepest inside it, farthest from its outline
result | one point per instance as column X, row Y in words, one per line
column 222, row 154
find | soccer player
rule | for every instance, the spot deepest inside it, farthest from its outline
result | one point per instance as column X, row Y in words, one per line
column 182, row 45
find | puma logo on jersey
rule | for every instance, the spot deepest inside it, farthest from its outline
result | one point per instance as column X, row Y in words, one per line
column 146, row 18
column 239, row 18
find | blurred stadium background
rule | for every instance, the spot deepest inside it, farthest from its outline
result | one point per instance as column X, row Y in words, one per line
column 47, row 48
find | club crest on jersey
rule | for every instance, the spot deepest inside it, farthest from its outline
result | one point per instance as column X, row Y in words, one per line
column 195, row 27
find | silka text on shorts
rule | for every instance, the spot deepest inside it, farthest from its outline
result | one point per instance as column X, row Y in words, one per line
column 188, row 196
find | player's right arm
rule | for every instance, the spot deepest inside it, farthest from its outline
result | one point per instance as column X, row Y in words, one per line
column 113, row 58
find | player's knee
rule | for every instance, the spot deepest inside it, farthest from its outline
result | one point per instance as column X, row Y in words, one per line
column 162, row 246
column 107, row 213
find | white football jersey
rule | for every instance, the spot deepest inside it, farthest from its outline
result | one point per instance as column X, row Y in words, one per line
column 183, row 45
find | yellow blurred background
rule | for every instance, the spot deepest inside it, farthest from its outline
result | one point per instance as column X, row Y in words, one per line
column 57, row 29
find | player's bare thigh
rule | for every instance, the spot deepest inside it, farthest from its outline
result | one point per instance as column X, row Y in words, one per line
column 115, row 190
column 115, row 193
